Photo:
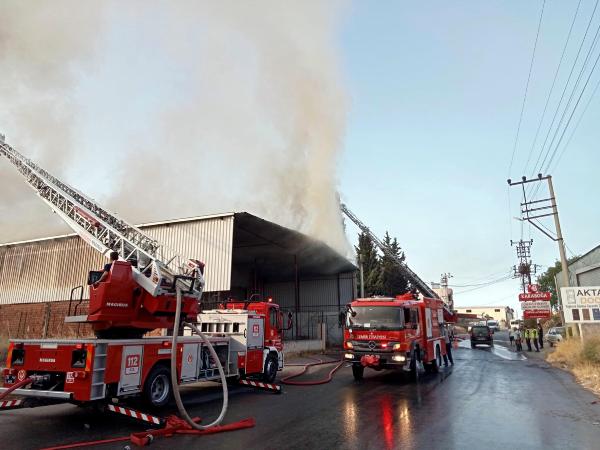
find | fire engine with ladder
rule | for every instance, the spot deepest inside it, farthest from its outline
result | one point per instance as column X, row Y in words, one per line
column 403, row 332
column 148, row 287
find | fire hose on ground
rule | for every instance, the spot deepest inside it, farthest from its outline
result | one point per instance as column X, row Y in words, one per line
column 305, row 367
column 16, row 386
column 175, row 381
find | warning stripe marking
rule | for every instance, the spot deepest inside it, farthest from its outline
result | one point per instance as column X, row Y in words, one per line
column 10, row 403
column 135, row 414
column 273, row 387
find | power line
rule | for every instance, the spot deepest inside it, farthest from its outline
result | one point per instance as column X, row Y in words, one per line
column 565, row 89
column 552, row 88
column 512, row 158
column 573, row 112
column 500, row 280
column 592, row 48
column 577, row 125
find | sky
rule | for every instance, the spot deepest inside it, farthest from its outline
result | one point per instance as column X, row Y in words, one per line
column 436, row 93
column 416, row 105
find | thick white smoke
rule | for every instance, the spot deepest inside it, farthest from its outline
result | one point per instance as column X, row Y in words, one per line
column 235, row 106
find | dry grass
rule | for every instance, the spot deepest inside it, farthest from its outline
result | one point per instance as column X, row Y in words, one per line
column 581, row 358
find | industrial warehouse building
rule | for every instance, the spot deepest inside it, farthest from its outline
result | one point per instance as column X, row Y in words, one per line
column 245, row 257
column 584, row 271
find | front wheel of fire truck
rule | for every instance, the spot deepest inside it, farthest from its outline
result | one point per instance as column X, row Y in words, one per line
column 270, row 370
column 358, row 371
column 157, row 388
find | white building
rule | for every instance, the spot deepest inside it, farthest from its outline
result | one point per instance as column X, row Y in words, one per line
column 503, row 314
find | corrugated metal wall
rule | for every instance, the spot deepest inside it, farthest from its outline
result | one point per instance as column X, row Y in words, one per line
column 209, row 240
column 47, row 270
column 321, row 294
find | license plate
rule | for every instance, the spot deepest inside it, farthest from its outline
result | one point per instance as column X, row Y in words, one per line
column 9, row 379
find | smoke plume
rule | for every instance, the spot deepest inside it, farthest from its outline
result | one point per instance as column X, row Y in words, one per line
column 205, row 107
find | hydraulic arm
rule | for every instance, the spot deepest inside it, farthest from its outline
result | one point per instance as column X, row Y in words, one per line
column 153, row 267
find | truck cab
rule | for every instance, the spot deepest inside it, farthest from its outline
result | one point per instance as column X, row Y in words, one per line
column 402, row 333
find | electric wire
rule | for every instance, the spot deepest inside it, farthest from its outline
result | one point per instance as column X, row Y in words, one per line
column 592, row 48
column 552, row 87
column 512, row 158
column 535, row 167
column 564, row 149
column 500, row 280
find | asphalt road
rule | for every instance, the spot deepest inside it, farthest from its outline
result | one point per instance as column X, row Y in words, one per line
column 491, row 399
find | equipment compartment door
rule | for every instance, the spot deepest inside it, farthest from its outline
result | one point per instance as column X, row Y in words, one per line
column 189, row 362
column 131, row 368
column 428, row 324
column 255, row 332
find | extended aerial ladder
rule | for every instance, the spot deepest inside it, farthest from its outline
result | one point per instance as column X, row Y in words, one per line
column 414, row 279
column 155, row 268
column 411, row 276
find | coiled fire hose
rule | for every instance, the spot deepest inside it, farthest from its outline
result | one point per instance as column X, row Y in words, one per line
column 305, row 367
column 175, row 381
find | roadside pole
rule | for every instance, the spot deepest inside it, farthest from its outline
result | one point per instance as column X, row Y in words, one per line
column 533, row 210
column 561, row 249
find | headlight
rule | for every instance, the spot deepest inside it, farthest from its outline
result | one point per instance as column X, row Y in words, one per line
column 349, row 356
column 396, row 346
column 349, row 344
column 399, row 358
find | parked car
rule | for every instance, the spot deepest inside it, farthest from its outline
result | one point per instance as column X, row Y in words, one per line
column 481, row 334
column 494, row 325
column 554, row 335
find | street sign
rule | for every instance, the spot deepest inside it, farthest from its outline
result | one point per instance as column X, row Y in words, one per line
column 581, row 304
column 537, row 314
column 539, row 309
column 533, row 288
column 535, row 296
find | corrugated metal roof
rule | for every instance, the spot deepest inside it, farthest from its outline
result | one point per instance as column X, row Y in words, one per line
column 47, row 269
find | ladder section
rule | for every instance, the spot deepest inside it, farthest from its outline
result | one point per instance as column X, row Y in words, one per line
column 154, row 266
column 98, row 385
column 417, row 282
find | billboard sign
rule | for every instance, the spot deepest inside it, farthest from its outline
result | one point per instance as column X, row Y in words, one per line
column 539, row 309
column 581, row 304
column 532, row 296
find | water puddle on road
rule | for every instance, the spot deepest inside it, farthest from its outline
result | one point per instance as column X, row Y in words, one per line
column 500, row 351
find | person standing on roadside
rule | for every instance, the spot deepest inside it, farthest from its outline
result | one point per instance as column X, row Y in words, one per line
column 528, row 339
column 518, row 340
column 534, row 337
column 448, row 355
column 511, row 336
column 541, row 335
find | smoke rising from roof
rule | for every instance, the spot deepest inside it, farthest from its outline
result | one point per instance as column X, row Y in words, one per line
column 233, row 106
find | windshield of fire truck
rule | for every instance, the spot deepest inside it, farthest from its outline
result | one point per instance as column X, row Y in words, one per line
column 376, row 318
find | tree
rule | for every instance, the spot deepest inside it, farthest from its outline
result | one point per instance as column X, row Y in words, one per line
column 392, row 280
column 366, row 253
column 547, row 283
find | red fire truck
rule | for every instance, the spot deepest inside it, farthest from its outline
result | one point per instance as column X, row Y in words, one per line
column 147, row 287
column 246, row 337
column 401, row 333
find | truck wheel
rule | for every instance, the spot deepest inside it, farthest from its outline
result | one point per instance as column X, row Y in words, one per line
column 270, row 370
column 157, row 388
column 358, row 371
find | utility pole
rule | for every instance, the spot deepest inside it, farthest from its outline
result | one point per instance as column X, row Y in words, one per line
column 534, row 210
column 525, row 267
